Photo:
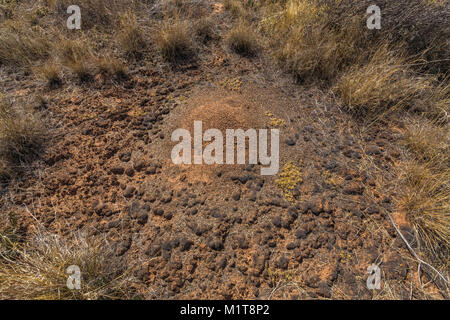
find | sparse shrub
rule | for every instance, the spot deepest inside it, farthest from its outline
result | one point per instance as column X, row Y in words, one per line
column 243, row 40
column 37, row 269
column 319, row 39
column 131, row 38
column 440, row 97
column 9, row 233
column 427, row 141
column 307, row 44
column 21, row 134
column 174, row 41
column 40, row 102
column 5, row 12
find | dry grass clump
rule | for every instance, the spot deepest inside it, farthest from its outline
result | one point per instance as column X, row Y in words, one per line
column 306, row 43
column 385, row 84
column 20, row 46
column 319, row 39
column 426, row 182
column 112, row 67
column 9, row 233
column 5, row 12
column 131, row 38
column 174, row 41
column 21, row 134
column 419, row 25
column 77, row 56
column 243, row 40
column 37, row 269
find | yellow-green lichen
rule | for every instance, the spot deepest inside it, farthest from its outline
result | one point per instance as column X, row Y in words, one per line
column 233, row 84
column 274, row 121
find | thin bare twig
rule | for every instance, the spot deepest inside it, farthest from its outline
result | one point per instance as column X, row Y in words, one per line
column 414, row 253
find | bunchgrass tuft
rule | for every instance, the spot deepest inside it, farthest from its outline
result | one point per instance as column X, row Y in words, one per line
column 174, row 41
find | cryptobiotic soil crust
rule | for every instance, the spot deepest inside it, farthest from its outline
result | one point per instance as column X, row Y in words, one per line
column 219, row 231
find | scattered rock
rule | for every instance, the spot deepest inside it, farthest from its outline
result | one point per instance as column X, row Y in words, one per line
column 301, row 233
column 242, row 242
column 276, row 221
column 236, row 196
column 140, row 165
column 129, row 171
column 293, row 245
column 315, row 205
column 168, row 215
column 324, row 289
column 158, row 211
column 151, row 170
column 128, row 192
column 373, row 150
column 98, row 206
column 125, row 156
column 252, row 196
column 117, row 169
column 354, row 188
column 154, row 249
column 123, row 246
column 290, row 141
column 283, row 263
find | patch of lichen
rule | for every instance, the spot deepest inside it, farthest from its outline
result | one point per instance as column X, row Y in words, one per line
column 274, row 121
column 233, row 84
column 289, row 178
column 330, row 178
column 277, row 277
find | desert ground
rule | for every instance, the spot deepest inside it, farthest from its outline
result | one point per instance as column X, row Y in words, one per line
column 87, row 177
